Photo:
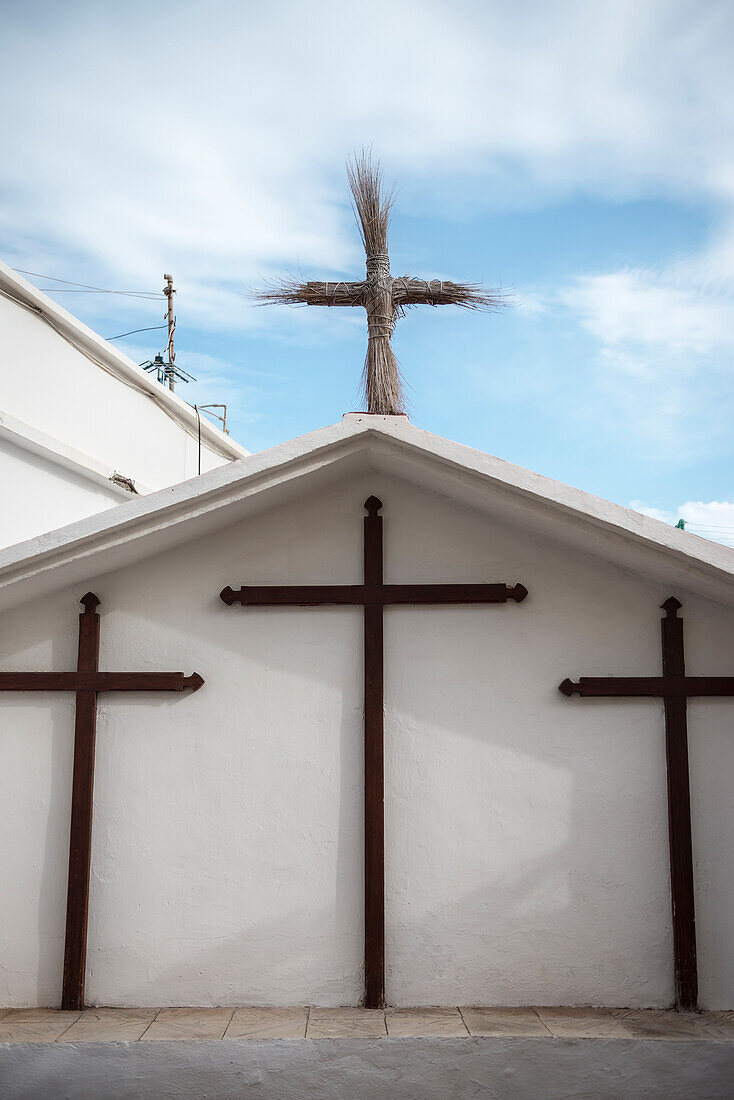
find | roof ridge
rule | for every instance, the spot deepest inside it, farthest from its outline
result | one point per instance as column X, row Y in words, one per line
column 633, row 541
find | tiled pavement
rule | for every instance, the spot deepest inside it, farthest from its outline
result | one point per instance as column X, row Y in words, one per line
column 43, row 1025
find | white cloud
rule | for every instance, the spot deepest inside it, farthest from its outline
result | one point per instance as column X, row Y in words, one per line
column 530, row 303
column 665, row 347
column 209, row 139
column 655, row 311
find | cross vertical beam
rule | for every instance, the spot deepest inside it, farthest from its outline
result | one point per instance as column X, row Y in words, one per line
column 80, row 835
column 674, row 688
column 383, row 297
column 374, row 767
column 679, row 814
column 86, row 683
column 373, row 596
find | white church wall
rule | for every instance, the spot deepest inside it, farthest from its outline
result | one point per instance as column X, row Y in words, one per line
column 49, row 385
column 38, row 495
column 526, row 833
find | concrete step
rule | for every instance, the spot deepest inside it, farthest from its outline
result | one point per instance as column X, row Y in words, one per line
column 441, row 1053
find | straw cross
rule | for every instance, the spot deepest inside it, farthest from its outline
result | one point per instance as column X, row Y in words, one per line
column 384, row 297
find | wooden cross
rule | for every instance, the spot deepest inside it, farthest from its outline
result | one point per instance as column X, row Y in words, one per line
column 86, row 682
column 373, row 595
column 384, row 297
column 674, row 687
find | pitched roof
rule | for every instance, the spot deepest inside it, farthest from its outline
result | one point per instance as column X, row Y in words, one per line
column 112, row 360
column 147, row 525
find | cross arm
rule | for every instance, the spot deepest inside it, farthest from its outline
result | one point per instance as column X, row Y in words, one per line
column 451, row 593
column 648, row 686
column 407, row 291
column 99, row 681
column 324, row 594
column 313, row 293
column 305, row 595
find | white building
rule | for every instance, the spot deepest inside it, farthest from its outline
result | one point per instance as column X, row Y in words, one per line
column 526, row 833
column 81, row 425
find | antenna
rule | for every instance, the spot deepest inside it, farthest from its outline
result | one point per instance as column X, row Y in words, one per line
column 169, row 293
column 166, row 370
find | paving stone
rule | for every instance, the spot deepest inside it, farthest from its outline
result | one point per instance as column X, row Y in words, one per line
column 188, row 1023
column 338, row 1023
column 35, row 1025
column 583, row 1023
column 409, row 1022
column 41, row 1025
column 268, row 1023
column 504, row 1021
column 655, row 1024
column 97, row 1025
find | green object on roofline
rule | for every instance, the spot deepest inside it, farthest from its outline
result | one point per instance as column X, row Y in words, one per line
column 681, row 524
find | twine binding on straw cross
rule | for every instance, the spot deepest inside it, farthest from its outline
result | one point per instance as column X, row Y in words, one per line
column 384, row 298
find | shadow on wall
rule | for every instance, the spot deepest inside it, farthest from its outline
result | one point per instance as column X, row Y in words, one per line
column 37, row 747
column 502, row 886
column 536, row 930
column 302, row 948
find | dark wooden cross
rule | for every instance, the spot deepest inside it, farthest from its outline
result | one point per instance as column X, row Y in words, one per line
column 373, row 595
column 674, row 687
column 87, row 682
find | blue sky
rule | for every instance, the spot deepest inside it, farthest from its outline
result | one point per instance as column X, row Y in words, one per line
column 582, row 156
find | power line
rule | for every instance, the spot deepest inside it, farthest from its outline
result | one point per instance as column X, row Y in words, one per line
column 123, row 293
column 725, row 532
column 126, row 380
column 133, row 331
column 153, row 295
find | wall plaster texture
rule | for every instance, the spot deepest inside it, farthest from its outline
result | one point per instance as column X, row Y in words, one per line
column 526, row 834
column 38, row 494
column 403, row 1069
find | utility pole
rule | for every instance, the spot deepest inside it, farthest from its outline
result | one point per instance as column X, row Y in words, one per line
column 165, row 369
column 169, row 293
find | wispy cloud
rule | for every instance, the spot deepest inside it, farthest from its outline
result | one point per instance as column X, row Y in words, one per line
column 210, row 139
column 664, row 344
column 674, row 313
